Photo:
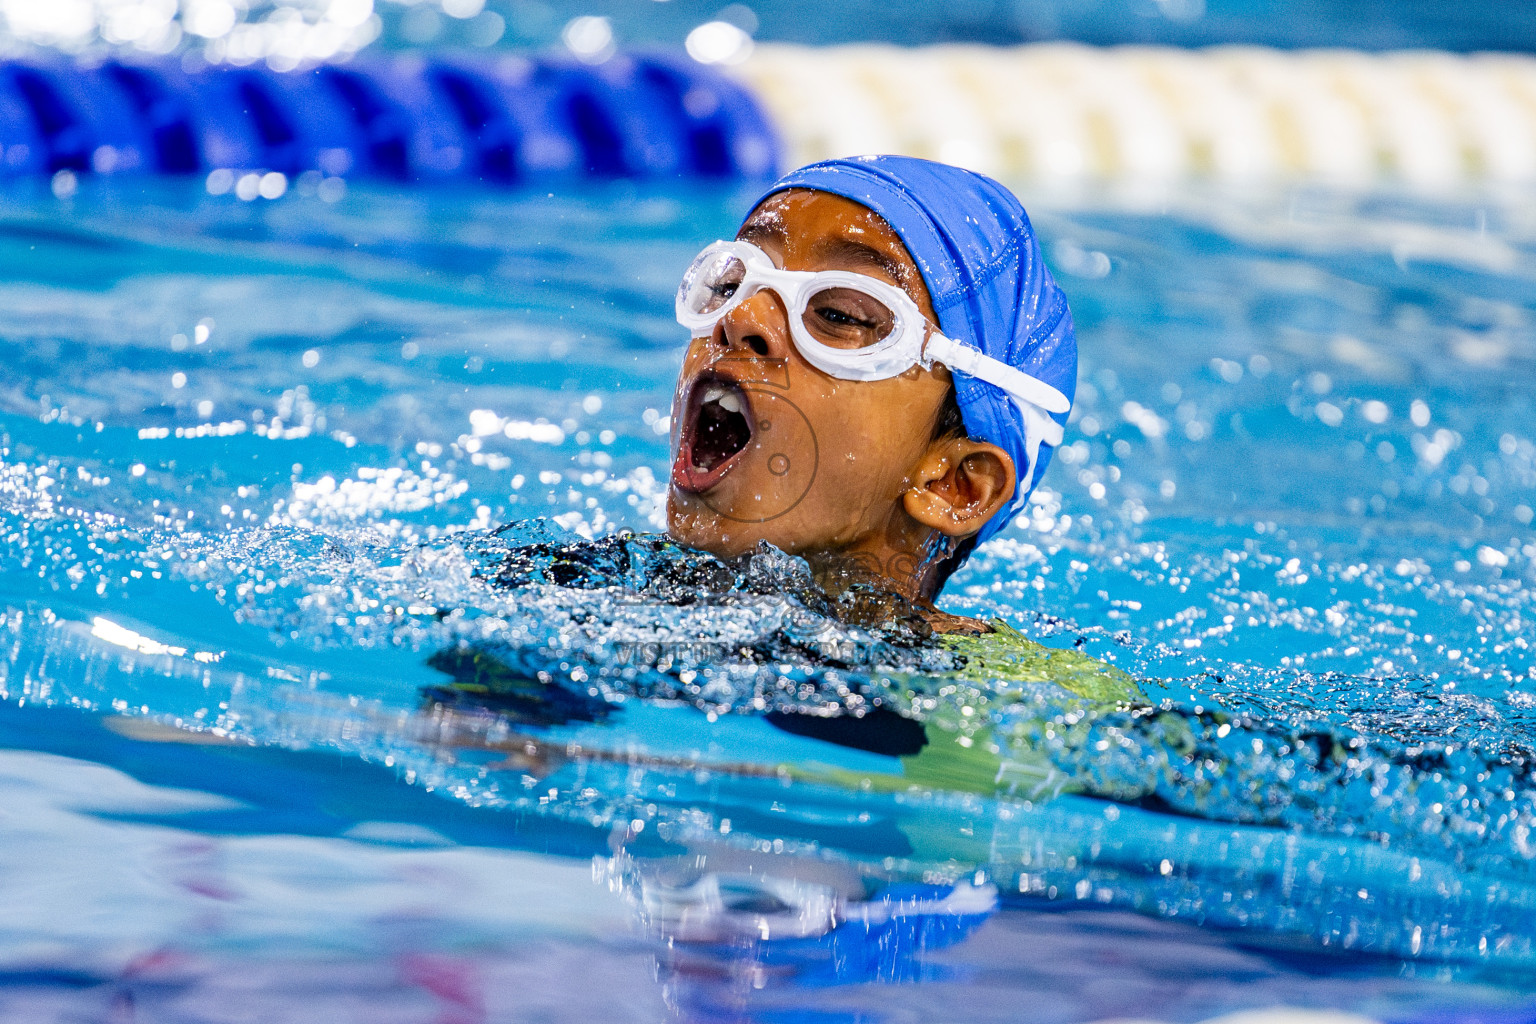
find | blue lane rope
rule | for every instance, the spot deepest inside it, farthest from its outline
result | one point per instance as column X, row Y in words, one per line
column 406, row 119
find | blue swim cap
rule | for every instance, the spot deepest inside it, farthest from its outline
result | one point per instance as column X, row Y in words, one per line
column 979, row 258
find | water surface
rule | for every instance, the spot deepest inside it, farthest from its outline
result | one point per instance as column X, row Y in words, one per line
column 251, row 461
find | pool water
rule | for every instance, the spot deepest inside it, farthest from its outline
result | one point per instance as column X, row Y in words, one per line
column 253, row 462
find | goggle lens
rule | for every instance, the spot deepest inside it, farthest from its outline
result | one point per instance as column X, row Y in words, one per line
column 711, row 282
column 839, row 316
column 848, row 318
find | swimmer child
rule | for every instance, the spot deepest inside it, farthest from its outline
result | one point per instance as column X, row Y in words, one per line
column 879, row 370
column 881, row 366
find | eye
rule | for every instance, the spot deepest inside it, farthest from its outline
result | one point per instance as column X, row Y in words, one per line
column 725, row 289
column 842, row 318
column 847, row 318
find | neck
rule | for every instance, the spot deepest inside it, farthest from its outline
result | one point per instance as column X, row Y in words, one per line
column 904, row 559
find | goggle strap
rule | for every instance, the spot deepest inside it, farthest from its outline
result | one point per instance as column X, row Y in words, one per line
column 983, row 367
column 1038, row 428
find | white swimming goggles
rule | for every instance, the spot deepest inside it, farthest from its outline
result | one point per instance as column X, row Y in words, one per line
column 855, row 327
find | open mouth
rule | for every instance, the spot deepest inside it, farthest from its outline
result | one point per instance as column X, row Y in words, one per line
column 716, row 428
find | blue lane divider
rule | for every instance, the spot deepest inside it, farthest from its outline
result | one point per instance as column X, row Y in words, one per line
column 405, row 118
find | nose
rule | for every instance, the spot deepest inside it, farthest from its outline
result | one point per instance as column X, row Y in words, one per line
column 758, row 325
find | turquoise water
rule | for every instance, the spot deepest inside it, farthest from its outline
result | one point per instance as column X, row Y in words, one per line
column 1357, row 24
column 251, row 461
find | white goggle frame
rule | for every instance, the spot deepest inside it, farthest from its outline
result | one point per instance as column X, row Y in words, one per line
column 912, row 341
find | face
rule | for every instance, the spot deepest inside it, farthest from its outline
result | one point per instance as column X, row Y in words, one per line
column 767, row 447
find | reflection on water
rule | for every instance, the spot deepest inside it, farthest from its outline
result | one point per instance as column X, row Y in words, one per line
column 247, row 499
column 732, row 924
column 292, row 884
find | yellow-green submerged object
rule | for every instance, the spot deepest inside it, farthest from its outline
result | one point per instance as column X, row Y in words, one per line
column 959, row 712
column 963, row 754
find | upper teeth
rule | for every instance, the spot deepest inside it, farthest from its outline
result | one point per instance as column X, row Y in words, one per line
column 728, row 400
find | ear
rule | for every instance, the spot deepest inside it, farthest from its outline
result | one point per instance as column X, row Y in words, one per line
column 958, row 485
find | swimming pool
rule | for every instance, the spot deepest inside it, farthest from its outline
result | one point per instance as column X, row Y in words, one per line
column 251, row 458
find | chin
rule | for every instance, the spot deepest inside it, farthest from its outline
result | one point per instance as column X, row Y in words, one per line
column 691, row 522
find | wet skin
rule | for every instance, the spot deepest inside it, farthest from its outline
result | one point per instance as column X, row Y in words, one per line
column 835, row 470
